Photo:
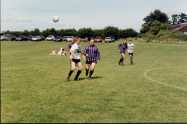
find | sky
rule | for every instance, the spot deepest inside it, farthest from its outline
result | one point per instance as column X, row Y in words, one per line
column 19, row 15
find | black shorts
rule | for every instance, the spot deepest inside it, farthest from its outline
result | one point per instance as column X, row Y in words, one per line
column 131, row 54
column 90, row 62
column 76, row 61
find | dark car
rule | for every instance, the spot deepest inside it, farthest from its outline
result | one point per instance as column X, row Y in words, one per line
column 58, row 38
column 23, row 38
column 28, row 38
column 19, row 38
column 98, row 40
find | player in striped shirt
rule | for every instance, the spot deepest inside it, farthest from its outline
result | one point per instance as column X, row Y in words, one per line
column 92, row 55
column 122, row 48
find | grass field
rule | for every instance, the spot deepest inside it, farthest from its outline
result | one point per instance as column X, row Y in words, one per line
column 33, row 87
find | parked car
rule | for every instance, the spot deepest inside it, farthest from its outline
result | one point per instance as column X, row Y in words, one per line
column 84, row 39
column 68, row 38
column 109, row 39
column 42, row 37
column 50, row 38
column 37, row 38
column 29, row 38
column 98, row 40
column 4, row 37
column 58, row 38
column 19, row 38
column 7, row 37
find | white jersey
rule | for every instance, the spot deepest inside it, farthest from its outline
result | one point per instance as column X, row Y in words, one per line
column 75, row 51
column 130, row 47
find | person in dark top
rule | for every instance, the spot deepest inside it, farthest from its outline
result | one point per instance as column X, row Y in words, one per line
column 122, row 48
column 92, row 55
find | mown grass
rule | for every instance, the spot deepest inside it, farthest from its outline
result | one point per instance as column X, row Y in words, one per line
column 33, row 86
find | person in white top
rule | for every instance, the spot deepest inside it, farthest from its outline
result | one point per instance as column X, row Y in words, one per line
column 75, row 56
column 130, row 50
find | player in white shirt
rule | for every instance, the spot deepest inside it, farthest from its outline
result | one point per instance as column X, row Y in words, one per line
column 75, row 56
column 130, row 50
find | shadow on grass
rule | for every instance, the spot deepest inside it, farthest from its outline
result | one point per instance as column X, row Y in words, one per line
column 97, row 77
column 93, row 78
column 83, row 78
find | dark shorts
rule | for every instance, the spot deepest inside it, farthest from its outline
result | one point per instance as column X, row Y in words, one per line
column 76, row 61
column 131, row 54
column 90, row 62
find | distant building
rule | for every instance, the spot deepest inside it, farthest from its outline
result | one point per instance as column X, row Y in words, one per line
column 180, row 27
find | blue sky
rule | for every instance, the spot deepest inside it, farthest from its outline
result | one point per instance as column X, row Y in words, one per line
column 30, row 14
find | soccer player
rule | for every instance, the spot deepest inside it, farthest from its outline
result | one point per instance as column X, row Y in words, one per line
column 75, row 56
column 130, row 50
column 92, row 55
column 122, row 47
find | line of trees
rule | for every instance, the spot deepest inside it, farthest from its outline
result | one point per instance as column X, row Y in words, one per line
column 178, row 18
column 109, row 31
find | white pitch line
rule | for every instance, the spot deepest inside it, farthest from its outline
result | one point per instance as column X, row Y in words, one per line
column 160, row 82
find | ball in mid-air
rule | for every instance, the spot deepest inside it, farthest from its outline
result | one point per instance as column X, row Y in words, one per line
column 56, row 19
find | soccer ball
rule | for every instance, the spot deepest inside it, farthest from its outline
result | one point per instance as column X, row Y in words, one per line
column 56, row 19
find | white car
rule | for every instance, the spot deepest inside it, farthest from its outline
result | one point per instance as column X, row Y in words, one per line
column 36, row 38
column 109, row 39
column 68, row 38
column 50, row 37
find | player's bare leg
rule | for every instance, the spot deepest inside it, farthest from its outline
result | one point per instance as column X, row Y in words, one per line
column 79, row 71
column 71, row 70
column 87, row 69
column 92, row 67
column 131, row 59
column 121, row 61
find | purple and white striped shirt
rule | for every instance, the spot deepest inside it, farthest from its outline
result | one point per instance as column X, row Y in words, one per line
column 92, row 53
column 122, row 47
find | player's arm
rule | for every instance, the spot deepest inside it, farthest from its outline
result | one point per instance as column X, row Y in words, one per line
column 83, row 54
column 72, row 52
column 98, row 54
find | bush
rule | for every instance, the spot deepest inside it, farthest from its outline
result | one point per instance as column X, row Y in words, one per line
column 165, row 36
column 85, row 32
column 111, row 31
column 128, row 33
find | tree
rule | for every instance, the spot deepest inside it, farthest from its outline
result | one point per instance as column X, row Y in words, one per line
column 98, row 33
column 183, row 18
column 145, row 28
column 26, row 33
column 111, row 31
column 178, row 18
column 69, row 32
column 175, row 19
column 36, row 31
column 49, row 31
column 128, row 33
column 85, row 32
column 157, row 15
column 154, row 22
column 155, row 27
